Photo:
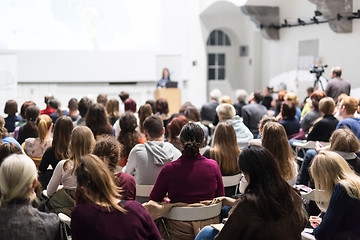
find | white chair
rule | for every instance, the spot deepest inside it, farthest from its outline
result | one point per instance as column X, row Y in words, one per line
column 194, row 213
column 143, row 192
column 308, row 195
column 307, row 234
column 303, row 145
column 233, row 180
column 65, row 226
column 45, row 194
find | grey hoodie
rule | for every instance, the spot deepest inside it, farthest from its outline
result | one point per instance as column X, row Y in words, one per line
column 146, row 160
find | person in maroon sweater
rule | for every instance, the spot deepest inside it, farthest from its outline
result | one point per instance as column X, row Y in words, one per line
column 107, row 149
column 192, row 177
column 102, row 215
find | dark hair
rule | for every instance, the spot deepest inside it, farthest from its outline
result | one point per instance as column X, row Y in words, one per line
column 102, row 99
column 258, row 96
column 96, row 119
column 23, row 108
column 316, row 97
column 47, row 98
column 31, row 113
column 130, row 105
column 161, row 106
column 175, row 126
column 123, row 96
column 143, row 113
column 128, row 136
column 192, row 138
column 184, row 106
column 73, row 104
column 152, row 104
column 288, row 110
column 10, row 107
column 163, row 75
column 154, row 126
column 62, row 136
column 54, row 104
column 108, row 150
column 192, row 113
column 84, row 105
column 7, row 149
column 259, row 164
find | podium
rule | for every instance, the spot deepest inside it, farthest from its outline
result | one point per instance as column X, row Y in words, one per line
column 172, row 95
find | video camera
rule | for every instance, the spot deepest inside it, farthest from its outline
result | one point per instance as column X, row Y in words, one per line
column 318, row 70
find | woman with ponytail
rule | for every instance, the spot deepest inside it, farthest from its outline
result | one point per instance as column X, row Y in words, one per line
column 29, row 129
column 36, row 147
column 191, row 178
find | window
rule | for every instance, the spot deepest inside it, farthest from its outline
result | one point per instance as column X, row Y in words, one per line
column 218, row 38
column 216, row 66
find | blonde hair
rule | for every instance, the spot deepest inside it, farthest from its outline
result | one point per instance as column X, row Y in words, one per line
column 344, row 140
column 94, row 175
column 226, row 99
column 291, row 97
column 43, row 123
column 17, row 174
column 225, row 150
column 82, row 143
column 328, row 169
column 225, row 111
column 275, row 140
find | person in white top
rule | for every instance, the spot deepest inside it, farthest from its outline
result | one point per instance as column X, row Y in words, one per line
column 82, row 143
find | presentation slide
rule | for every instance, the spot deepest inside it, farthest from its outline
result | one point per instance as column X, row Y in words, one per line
column 79, row 24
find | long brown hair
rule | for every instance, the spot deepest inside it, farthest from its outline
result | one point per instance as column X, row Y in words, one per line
column 112, row 108
column 275, row 140
column 43, row 123
column 96, row 119
column 128, row 136
column 94, row 175
column 225, row 150
column 82, row 143
column 144, row 112
column 61, row 137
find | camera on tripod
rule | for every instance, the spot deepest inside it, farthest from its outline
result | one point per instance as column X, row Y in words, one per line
column 318, row 70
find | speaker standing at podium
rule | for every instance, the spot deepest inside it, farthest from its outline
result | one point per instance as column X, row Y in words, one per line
column 165, row 79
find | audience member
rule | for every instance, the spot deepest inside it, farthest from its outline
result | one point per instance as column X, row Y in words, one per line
column 7, row 149
column 275, row 140
column 143, row 113
column 292, row 97
column 226, row 112
column 108, row 150
column 258, row 214
column 347, row 109
column 223, row 99
column 73, row 106
column 208, row 110
column 278, row 102
column 11, row 110
column 130, row 105
column 97, row 120
column 289, row 120
column 339, row 200
column 123, row 96
column 162, row 110
column 193, row 114
column 128, row 136
column 48, row 110
column 112, row 109
column 59, row 149
column 102, row 99
column 267, row 98
column 22, row 121
column 191, row 178
column 265, row 119
column 337, row 85
column 174, row 128
column 29, row 129
column 309, row 91
column 323, row 127
column 36, row 147
column 152, row 104
column 146, row 160
column 4, row 136
column 19, row 220
column 253, row 112
column 84, row 106
column 338, row 106
column 55, row 104
column 241, row 95
column 309, row 119
column 102, row 212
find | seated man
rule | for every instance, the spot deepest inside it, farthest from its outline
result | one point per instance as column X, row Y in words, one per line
column 347, row 109
column 226, row 112
column 207, row 111
column 146, row 160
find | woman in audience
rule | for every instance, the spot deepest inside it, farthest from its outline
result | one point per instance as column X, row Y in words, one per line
column 344, row 142
column 19, row 220
column 112, row 109
column 102, row 212
column 192, row 177
column 323, row 127
column 36, row 147
column 7, row 149
column 174, row 128
column 23, row 108
column 193, row 114
column 292, row 97
column 162, row 110
column 279, row 101
column 225, row 152
column 275, row 140
column 59, row 149
column 128, row 136
column 143, row 113
column 29, row 129
column 339, row 199
column 82, row 143
column 11, row 110
column 269, row 208
column 289, row 119
column 4, row 136
column 107, row 149
column 97, row 120
column 309, row 119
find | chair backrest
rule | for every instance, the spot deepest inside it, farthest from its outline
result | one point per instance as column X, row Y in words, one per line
column 143, row 190
column 64, row 219
column 230, row 181
column 309, row 144
column 311, row 195
column 194, row 213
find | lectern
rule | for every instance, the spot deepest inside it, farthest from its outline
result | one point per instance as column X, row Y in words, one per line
column 172, row 95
